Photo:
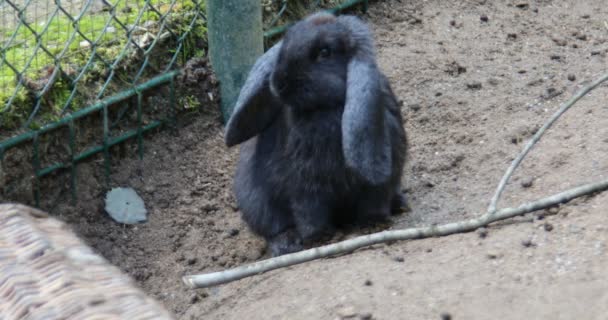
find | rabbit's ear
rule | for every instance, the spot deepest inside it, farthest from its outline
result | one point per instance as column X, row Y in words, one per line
column 365, row 138
column 256, row 107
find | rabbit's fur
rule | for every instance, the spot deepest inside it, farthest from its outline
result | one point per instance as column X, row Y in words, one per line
column 322, row 135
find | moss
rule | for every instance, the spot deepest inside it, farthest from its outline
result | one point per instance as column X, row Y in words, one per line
column 189, row 102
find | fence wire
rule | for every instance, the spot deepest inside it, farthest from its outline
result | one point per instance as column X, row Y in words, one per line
column 65, row 60
column 59, row 56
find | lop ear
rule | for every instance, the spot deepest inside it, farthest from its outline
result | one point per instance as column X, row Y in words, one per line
column 365, row 137
column 256, row 107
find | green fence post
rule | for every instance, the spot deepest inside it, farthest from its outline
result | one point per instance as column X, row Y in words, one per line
column 2, row 181
column 235, row 42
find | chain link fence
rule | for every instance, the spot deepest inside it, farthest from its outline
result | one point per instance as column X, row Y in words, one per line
column 63, row 61
column 60, row 56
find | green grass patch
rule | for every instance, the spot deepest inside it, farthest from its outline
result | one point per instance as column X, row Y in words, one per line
column 73, row 58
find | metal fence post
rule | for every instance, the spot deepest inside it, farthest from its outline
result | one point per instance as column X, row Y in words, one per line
column 235, row 42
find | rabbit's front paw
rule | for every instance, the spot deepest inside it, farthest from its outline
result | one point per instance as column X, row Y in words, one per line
column 285, row 242
column 399, row 204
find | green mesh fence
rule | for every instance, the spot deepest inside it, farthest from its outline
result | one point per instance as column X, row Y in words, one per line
column 65, row 60
column 59, row 56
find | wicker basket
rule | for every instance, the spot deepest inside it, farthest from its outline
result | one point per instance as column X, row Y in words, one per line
column 46, row 272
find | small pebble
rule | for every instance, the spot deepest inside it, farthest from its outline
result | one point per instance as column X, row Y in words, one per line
column 522, row 5
column 347, row 312
column 527, row 183
column 234, row 206
column 415, row 20
column 556, row 57
column 553, row 210
column 571, row 77
column 482, row 232
column 368, row 282
column 527, row 243
column 194, row 298
column 191, row 260
column 415, row 106
column 85, row 44
column 511, row 36
column 366, row 316
column 548, row 227
column 484, row 18
column 446, row 316
column 535, row 82
column 476, row 85
column 233, row 232
column 398, row 259
column 493, row 255
column 551, row 93
column 560, row 42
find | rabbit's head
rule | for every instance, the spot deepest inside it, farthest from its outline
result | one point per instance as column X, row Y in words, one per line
column 311, row 67
column 323, row 61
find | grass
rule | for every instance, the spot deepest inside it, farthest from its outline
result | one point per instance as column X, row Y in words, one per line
column 80, row 55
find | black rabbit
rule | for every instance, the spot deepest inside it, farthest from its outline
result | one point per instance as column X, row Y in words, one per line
column 323, row 135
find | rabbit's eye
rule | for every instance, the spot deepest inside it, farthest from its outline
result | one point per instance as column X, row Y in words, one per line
column 324, row 53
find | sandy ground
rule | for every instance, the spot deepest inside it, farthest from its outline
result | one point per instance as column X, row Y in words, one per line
column 476, row 78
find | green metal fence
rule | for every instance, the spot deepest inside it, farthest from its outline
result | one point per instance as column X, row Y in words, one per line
column 63, row 61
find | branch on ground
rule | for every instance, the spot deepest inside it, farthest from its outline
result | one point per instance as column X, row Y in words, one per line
column 216, row 278
column 505, row 179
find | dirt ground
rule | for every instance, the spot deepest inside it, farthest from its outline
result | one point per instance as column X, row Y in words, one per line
column 477, row 78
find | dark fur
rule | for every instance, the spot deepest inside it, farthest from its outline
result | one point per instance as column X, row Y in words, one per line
column 323, row 136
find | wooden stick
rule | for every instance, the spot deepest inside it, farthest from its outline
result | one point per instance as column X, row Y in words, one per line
column 536, row 137
column 216, row 278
